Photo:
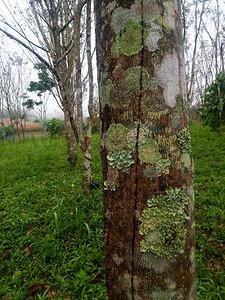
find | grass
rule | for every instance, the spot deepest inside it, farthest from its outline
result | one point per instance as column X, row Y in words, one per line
column 51, row 236
column 208, row 151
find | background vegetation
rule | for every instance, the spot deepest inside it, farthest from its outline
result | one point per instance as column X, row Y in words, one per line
column 51, row 236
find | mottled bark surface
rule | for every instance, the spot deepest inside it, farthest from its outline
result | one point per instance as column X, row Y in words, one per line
column 145, row 151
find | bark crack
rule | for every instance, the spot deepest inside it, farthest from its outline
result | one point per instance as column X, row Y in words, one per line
column 133, row 291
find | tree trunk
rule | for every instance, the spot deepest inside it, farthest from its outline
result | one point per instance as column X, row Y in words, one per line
column 70, row 140
column 145, row 151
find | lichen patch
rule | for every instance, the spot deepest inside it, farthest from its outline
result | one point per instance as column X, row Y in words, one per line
column 132, row 38
column 163, row 224
column 120, row 17
column 132, row 78
column 152, row 40
column 167, row 75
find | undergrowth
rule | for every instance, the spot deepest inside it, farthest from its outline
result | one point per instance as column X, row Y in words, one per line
column 208, row 150
column 50, row 235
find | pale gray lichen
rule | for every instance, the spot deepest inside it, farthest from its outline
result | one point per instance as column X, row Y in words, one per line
column 167, row 75
column 120, row 17
column 184, row 139
column 152, row 40
column 109, row 186
column 145, row 10
column 132, row 38
column 121, row 160
column 163, row 224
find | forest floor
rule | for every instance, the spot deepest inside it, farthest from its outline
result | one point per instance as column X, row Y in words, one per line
column 51, row 236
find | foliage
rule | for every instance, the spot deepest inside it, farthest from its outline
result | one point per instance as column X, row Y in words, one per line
column 96, row 125
column 6, row 130
column 55, row 127
column 45, row 82
column 30, row 103
column 213, row 104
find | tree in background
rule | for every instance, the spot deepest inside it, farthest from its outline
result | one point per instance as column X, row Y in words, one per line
column 13, row 82
column 41, row 87
column 212, row 108
column 145, row 151
column 59, row 28
column 204, row 24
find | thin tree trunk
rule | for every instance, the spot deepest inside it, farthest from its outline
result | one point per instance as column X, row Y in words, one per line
column 70, row 140
column 145, row 151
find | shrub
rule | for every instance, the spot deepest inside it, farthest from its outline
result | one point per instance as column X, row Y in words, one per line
column 55, row 127
column 7, row 130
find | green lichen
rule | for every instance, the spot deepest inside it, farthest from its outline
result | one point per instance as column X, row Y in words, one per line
column 151, row 172
column 149, row 152
column 120, row 17
column 121, row 160
column 167, row 20
column 105, row 92
column 152, row 115
column 192, row 254
column 121, row 96
column 163, row 166
column 185, row 162
column 153, row 83
column 132, row 79
column 115, row 137
column 184, row 139
column 176, row 122
column 109, row 186
column 116, row 50
column 163, row 224
column 130, row 39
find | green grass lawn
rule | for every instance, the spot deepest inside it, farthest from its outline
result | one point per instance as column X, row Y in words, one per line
column 51, row 236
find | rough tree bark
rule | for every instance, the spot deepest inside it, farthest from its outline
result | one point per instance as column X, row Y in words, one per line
column 71, row 144
column 145, row 151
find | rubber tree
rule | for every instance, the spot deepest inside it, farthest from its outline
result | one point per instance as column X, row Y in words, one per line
column 145, row 151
